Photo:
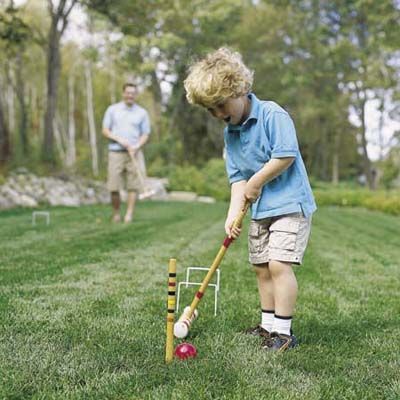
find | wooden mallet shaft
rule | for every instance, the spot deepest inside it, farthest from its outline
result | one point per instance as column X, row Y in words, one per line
column 217, row 261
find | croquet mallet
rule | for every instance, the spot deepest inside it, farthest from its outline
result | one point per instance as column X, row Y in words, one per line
column 145, row 193
column 182, row 326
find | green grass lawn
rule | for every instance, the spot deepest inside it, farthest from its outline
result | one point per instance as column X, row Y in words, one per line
column 83, row 308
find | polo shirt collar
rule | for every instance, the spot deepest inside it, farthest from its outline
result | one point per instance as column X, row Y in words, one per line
column 255, row 105
column 128, row 107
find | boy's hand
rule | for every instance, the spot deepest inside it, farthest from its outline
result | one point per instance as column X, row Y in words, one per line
column 231, row 232
column 252, row 189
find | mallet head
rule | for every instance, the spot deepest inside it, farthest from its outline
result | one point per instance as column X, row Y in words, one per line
column 182, row 326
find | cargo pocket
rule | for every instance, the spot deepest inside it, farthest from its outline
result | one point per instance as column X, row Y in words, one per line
column 284, row 233
column 255, row 240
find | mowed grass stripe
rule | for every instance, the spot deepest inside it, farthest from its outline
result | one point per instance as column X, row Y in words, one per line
column 90, row 323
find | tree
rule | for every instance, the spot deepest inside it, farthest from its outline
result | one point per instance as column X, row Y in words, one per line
column 370, row 30
column 59, row 20
column 5, row 151
column 16, row 35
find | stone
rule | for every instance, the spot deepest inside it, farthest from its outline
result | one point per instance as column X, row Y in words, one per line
column 206, row 199
column 182, row 196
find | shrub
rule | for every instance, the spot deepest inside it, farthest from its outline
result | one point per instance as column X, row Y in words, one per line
column 210, row 180
column 388, row 202
column 187, row 178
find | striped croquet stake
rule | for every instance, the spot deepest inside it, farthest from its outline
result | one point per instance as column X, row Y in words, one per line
column 188, row 312
column 169, row 348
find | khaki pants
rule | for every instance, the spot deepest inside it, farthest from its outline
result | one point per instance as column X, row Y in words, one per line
column 282, row 238
column 120, row 168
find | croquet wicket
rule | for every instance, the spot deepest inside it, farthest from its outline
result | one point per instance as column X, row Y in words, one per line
column 169, row 348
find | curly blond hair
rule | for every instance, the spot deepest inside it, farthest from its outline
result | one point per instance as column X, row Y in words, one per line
column 219, row 76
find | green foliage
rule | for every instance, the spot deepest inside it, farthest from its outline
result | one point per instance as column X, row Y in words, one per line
column 387, row 202
column 209, row 180
column 13, row 30
column 391, row 171
column 216, row 181
column 311, row 57
column 187, row 178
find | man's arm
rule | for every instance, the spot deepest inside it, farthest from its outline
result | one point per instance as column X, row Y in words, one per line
column 122, row 141
column 142, row 141
column 267, row 173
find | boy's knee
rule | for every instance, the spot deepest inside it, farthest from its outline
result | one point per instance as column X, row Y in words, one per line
column 262, row 271
column 277, row 268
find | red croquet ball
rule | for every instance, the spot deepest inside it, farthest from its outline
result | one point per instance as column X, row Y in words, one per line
column 185, row 350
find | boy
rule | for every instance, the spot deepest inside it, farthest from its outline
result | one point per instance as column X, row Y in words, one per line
column 264, row 166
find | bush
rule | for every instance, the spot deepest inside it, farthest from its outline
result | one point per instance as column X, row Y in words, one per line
column 388, row 202
column 215, row 180
column 210, row 180
column 187, row 178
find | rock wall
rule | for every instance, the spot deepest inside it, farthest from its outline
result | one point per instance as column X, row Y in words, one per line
column 24, row 189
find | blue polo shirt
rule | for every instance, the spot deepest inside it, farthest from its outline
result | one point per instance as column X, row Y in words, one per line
column 129, row 122
column 269, row 133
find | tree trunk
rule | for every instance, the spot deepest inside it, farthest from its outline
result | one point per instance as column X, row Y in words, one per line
column 335, row 159
column 23, row 110
column 58, row 138
column 381, row 138
column 10, row 98
column 53, row 73
column 59, row 20
column 5, row 151
column 366, row 161
column 113, row 96
column 71, row 149
column 157, row 97
column 91, row 121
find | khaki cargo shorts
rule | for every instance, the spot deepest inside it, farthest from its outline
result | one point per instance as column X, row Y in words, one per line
column 121, row 167
column 282, row 238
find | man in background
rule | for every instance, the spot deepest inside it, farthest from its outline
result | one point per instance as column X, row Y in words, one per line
column 127, row 126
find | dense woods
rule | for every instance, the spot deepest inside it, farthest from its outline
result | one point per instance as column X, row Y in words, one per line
column 329, row 63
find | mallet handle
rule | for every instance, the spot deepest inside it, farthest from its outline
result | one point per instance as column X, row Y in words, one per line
column 138, row 171
column 227, row 241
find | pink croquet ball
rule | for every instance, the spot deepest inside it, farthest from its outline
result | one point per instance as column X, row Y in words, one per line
column 185, row 350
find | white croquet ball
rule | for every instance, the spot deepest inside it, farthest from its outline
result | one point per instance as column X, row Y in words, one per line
column 181, row 330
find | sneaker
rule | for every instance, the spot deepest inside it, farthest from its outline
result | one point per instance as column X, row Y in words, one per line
column 257, row 331
column 279, row 342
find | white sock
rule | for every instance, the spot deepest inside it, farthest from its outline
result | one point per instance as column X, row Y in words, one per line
column 267, row 319
column 282, row 324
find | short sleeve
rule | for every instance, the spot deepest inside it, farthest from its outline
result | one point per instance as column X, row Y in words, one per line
column 282, row 134
column 107, row 120
column 233, row 172
column 145, row 124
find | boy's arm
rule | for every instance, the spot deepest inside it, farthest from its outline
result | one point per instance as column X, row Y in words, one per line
column 271, row 170
column 237, row 199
